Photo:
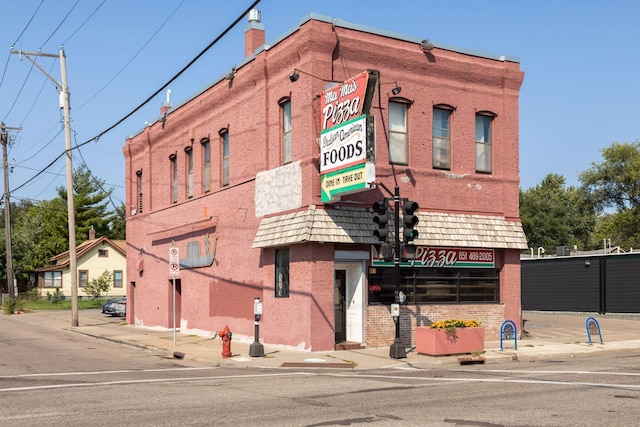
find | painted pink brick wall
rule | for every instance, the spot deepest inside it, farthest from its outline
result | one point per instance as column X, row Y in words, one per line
column 248, row 107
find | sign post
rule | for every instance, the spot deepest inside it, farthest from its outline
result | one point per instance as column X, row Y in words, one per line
column 174, row 270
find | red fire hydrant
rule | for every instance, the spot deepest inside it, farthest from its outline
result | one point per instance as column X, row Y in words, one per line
column 225, row 336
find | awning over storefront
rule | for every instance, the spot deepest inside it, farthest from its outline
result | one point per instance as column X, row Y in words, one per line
column 355, row 225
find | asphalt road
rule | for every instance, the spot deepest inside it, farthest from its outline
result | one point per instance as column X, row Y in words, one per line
column 50, row 377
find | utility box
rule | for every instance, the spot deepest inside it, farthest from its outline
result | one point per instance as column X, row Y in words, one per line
column 563, row 250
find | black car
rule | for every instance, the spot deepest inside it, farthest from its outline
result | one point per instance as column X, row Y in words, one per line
column 115, row 307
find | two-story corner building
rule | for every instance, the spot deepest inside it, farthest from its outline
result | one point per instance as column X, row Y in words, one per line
column 262, row 186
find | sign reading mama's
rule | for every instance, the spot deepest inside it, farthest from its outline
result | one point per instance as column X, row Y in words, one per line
column 348, row 100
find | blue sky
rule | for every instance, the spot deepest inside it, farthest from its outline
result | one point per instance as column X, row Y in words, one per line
column 580, row 93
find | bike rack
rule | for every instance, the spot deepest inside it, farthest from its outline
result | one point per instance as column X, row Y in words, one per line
column 509, row 330
column 593, row 327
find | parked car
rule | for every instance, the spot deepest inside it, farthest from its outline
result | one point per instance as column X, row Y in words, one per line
column 115, row 307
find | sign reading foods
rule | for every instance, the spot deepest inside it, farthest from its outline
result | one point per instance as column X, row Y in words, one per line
column 343, row 145
column 346, row 139
column 435, row 257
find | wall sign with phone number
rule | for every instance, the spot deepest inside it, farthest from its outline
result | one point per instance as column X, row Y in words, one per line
column 448, row 257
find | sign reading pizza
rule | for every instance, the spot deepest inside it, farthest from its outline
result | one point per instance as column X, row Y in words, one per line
column 348, row 100
column 439, row 257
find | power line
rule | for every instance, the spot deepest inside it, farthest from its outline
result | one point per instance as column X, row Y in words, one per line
column 60, row 24
column 146, row 101
column 132, row 58
column 4, row 72
column 85, row 21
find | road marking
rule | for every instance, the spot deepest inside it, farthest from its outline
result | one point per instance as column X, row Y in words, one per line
column 147, row 381
column 494, row 380
column 122, row 371
column 524, row 371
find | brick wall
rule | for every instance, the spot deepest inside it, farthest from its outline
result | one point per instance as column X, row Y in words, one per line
column 380, row 328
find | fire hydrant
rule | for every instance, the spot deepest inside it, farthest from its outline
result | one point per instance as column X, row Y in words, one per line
column 225, row 336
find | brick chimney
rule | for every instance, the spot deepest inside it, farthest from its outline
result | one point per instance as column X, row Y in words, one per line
column 254, row 34
column 92, row 234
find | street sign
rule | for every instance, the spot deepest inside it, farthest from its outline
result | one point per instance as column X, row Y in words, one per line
column 174, row 261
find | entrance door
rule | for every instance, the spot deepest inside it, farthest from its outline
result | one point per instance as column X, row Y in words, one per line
column 340, row 312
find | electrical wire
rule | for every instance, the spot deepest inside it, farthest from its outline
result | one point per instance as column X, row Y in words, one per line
column 85, row 21
column 133, row 57
column 4, row 72
column 15, row 100
column 146, row 101
column 60, row 24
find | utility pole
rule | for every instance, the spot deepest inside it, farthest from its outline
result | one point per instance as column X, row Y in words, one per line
column 64, row 105
column 11, row 288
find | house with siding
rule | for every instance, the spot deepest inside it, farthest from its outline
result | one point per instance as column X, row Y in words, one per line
column 262, row 186
column 93, row 258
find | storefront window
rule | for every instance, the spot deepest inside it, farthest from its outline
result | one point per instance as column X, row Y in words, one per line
column 434, row 285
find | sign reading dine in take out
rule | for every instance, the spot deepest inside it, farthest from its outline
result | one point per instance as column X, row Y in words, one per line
column 343, row 139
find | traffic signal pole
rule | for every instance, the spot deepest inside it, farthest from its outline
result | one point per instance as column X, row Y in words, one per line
column 397, row 350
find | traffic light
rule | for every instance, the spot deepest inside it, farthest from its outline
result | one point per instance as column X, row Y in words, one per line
column 409, row 219
column 381, row 218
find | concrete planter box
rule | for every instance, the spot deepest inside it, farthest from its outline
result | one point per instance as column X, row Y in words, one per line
column 440, row 342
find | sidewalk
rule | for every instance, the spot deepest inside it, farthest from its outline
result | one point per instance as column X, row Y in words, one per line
column 547, row 336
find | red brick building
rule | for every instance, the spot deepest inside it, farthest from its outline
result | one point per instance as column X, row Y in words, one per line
column 236, row 180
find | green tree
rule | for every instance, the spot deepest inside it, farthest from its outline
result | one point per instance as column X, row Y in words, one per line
column 37, row 236
column 614, row 184
column 91, row 203
column 41, row 229
column 555, row 215
column 96, row 287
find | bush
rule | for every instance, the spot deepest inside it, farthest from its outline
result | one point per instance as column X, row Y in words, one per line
column 56, row 297
column 10, row 305
column 32, row 295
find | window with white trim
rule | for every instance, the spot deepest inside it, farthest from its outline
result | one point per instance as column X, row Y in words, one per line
column 285, row 108
column 398, row 135
column 441, row 144
column 206, row 156
column 224, row 148
column 483, row 142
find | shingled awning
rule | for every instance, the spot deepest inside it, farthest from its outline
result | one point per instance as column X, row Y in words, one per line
column 355, row 225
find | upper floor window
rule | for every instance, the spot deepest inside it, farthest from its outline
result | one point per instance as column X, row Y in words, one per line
column 224, row 148
column 139, row 188
column 103, row 253
column 441, row 137
column 282, row 273
column 285, row 108
column 206, row 156
column 174, row 178
column 483, row 142
column 189, row 152
column 398, row 136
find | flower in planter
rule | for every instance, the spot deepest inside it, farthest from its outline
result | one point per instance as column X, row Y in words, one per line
column 450, row 325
